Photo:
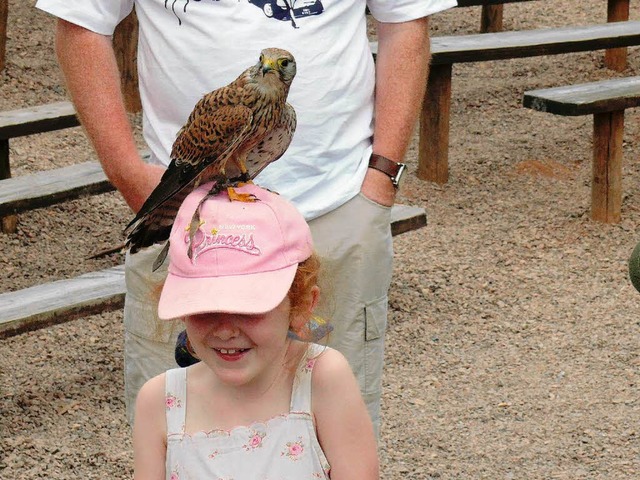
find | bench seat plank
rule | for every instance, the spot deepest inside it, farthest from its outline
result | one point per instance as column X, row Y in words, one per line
column 64, row 300
column 530, row 43
column 42, row 189
column 39, row 119
column 61, row 301
column 406, row 217
column 586, row 98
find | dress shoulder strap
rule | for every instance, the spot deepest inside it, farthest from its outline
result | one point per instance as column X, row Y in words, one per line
column 301, row 393
column 176, row 400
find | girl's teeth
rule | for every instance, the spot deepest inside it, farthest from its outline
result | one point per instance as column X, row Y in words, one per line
column 224, row 351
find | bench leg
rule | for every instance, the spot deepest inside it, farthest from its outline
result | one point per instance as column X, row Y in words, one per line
column 9, row 224
column 125, row 44
column 606, row 186
column 433, row 163
column 491, row 20
column 616, row 58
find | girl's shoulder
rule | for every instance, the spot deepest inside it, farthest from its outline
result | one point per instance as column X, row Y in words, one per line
column 153, row 390
column 330, row 370
column 150, row 414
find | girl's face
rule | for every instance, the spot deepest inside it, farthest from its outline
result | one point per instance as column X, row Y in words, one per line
column 242, row 350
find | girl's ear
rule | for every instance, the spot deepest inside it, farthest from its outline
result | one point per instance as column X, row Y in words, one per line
column 315, row 297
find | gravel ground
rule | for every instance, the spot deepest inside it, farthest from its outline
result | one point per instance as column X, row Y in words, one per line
column 513, row 338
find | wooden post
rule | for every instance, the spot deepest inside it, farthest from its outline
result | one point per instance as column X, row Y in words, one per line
column 125, row 44
column 4, row 13
column 616, row 58
column 433, row 163
column 9, row 224
column 606, row 186
column 491, row 20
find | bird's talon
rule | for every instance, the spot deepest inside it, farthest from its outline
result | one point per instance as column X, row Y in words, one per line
column 240, row 197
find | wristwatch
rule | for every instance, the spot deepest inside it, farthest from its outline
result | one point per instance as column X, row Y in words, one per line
column 395, row 170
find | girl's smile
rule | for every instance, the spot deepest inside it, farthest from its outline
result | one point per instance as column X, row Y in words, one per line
column 231, row 354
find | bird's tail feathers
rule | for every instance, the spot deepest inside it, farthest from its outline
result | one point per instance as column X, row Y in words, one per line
column 171, row 183
column 155, row 226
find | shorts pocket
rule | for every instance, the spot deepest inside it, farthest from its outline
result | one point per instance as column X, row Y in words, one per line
column 373, row 202
column 375, row 317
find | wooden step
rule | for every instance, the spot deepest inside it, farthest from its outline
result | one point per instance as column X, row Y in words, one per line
column 480, row 47
column 42, row 189
column 405, row 218
column 530, row 43
column 586, row 98
column 64, row 300
column 38, row 119
column 61, row 301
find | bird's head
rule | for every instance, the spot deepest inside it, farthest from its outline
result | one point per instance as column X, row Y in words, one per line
column 275, row 61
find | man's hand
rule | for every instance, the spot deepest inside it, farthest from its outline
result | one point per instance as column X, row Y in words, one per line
column 137, row 189
column 377, row 187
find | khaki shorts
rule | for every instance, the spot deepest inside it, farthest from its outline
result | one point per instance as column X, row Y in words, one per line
column 354, row 242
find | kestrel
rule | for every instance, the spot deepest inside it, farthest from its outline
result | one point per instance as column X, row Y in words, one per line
column 231, row 135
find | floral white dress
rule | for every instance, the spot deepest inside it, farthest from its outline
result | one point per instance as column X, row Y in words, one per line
column 283, row 448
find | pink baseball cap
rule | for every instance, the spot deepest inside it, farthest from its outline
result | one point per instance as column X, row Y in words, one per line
column 244, row 254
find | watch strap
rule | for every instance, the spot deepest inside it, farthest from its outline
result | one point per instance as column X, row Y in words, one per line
column 387, row 166
column 384, row 164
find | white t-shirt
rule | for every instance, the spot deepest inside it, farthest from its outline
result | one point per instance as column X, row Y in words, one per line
column 190, row 47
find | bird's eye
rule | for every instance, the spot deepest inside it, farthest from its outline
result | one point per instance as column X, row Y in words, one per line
column 283, row 62
column 261, row 58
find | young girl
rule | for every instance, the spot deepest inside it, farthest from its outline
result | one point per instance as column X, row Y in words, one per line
column 259, row 404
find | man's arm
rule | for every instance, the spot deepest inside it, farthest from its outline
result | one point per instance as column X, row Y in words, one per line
column 91, row 73
column 401, row 77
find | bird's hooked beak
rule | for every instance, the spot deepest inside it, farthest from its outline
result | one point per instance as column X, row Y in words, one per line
column 268, row 65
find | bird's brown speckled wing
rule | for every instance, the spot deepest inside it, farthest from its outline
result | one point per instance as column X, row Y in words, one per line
column 205, row 143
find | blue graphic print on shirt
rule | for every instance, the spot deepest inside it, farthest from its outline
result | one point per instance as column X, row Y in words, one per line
column 284, row 10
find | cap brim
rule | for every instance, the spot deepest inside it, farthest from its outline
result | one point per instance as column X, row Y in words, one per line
column 244, row 294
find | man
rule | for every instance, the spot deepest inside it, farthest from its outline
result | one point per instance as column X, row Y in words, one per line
column 187, row 49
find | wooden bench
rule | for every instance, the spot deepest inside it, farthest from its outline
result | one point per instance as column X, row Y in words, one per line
column 42, row 189
column 63, row 300
column 28, row 121
column 606, row 101
column 446, row 51
column 492, row 13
